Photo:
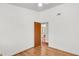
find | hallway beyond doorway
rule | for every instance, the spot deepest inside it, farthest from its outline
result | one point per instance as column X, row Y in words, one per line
column 40, row 33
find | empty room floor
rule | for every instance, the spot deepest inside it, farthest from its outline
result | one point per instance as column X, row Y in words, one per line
column 44, row 50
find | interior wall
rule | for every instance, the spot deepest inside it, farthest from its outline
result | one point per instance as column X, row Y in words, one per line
column 16, row 29
column 63, row 27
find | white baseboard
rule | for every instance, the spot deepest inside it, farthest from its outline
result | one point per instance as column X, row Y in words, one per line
column 70, row 51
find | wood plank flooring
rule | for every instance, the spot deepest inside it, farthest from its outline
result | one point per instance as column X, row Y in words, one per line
column 44, row 50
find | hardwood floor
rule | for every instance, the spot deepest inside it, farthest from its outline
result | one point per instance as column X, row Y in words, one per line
column 44, row 50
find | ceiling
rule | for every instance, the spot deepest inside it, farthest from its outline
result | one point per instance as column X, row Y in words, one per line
column 35, row 7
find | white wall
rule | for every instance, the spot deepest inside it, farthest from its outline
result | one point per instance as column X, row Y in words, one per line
column 16, row 29
column 64, row 28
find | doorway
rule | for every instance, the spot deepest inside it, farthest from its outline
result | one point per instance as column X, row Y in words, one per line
column 40, row 34
column 44, row 34
column 37, row 34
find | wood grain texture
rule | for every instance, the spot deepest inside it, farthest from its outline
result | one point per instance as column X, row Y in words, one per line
column 44, row 50
column 37, row 34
